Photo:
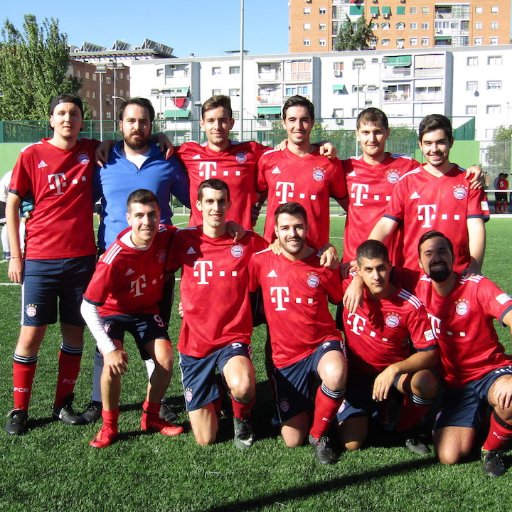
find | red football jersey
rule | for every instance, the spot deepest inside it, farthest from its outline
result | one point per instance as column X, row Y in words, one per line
column 502, row 184
column 309, row 180
column 422, row 202
column 237, row 166
column 128, row 280
column 369, row 189
column 469, row 347
column 61, row 182
column 378, row 333
column 214, row 289
column 296, row 297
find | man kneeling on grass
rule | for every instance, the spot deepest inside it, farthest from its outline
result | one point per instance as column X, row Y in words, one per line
column 123, row 296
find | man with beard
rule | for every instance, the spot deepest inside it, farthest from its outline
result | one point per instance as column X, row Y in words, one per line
column 475, row 369
column 135, row 163
column 305, row 344
column 437, row 195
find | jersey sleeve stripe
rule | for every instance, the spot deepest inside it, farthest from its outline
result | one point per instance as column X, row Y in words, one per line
column 110, row 255
column 409, row 297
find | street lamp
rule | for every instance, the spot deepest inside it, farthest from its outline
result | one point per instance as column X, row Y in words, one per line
column 358, row 64
column 101, row 69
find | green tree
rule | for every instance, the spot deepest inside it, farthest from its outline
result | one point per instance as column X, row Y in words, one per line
column 499, row 152
column 33, row 68
column 354, row 35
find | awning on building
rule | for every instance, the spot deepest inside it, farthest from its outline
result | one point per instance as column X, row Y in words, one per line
column 400, row 61
column 386, row 10
column 266, row 111
column 374, row 9
column 338, row 87
column 177, row 114
column 400, row 9
column 356, row 10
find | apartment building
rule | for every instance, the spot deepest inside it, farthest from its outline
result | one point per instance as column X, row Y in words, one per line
column 400, row 24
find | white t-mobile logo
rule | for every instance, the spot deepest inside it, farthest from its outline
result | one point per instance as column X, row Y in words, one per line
column 209, row 169
column 279, row 295
column 57, row 182
column 284, row 190
column 138, row 285
column 203, row 269
column 427, row 213
column 358, row 323
column 359, row 191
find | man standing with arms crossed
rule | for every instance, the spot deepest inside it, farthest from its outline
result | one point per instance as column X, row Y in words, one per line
column 217, row 321
column 296, row 289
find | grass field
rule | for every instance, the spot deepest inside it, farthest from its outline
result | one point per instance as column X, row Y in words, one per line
column 53, row 468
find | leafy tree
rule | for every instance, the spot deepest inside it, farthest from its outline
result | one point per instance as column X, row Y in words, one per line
column 33, row 68
column 499, row 152
column 354, row 35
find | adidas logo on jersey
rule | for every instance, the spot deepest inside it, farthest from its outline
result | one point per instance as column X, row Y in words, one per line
column 276, row 170
column 42, row 164
column 414, row 195
column 191, row 250
column 196, row 157
column 129, row 272
column 272, row 273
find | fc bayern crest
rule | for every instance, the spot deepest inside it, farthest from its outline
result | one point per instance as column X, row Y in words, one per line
column 313, row 280
column 83, row 158
column 318, row 174
column 241, row 157
column 31, row 310
column 161, row 256
column 393, row 176
column 461, row 308
column 392, row 320
column 460, row 192
column 188, row 394
column 237, row 251
column 284, row 405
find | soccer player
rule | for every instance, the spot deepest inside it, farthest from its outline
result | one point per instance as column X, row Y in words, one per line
column 135, row 162
column 301, row 174
column 475, row 369
column 501, row 197
column 122, row 296
column 382, row 363
column 59, row 254
column 305, row 343
column 437, row 195
column 217, row 321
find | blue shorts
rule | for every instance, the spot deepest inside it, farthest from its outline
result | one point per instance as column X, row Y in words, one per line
column 143, row 328
column 465, row 407
column 49, row 285
column 359, row 402
column 295, row 385
column 198, row 374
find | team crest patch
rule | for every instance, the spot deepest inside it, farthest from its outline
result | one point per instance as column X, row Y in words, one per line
column 284, row 405
column 392, row 320
column 241, row 157
column 237, row 251
column 31, row 310
column 393, row 176
column 461, row 307
column 83, row 158
column 107, row 328
column 318, row 174
column 188, row 394
column 313, row 280
column 460, row 192
column 161, row 256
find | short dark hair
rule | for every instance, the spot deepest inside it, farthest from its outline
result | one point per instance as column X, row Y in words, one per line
column 66, row 98
column 299, row 101
column 371, row 250
column 435, row 122
column 141, row 196
column 372, row 115
column 215, row 184
column 141, row 102
column 217, row 101
column 294, row 209
column 434, row 234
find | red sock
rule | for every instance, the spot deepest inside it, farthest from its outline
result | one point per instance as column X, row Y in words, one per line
column 110, row 419
column 242, row 411
column 500, row 434
column 151, row 408
column 326, row 408
column 411, row 414
column 22, row 379
column 69, row 368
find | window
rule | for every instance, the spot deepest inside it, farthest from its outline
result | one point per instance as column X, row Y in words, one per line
column 355, row 112
column 495, row 25
column 307, row 26
column 471, row 86
column 495, row 9
column 493, row 109
column 424, row 41
column 323, row 42
column 478, row 41
column 424, row 26
column 385, row 26
column 234, row 92
column 413, row 26
column 234, row 70
column 236, row 114
column 108, row 80
column 384, row 42
column 87, row 75
column 479, row 10
column 375, row 26
column 400, row 26
column 338, row 68
column 306, row 42
column 216, row 92
column 471, row 110
column 322, row 27
column 472, row 61
column 478, row 25
column 93, row 95
column 121, row 75
column 413, row 41
column 494, row 60
column 493, row 41
column 425, row 10
column 494, row 84
column 160, row 72
column 109, row 115
column 88, row 94
column 216, row 70
column 307, row 10
column 322, row 10
column 338, row 113
column 400, row 43
column 413, row 10
column 94, row 77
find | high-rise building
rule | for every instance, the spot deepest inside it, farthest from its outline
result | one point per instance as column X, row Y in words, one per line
column 396, row 24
